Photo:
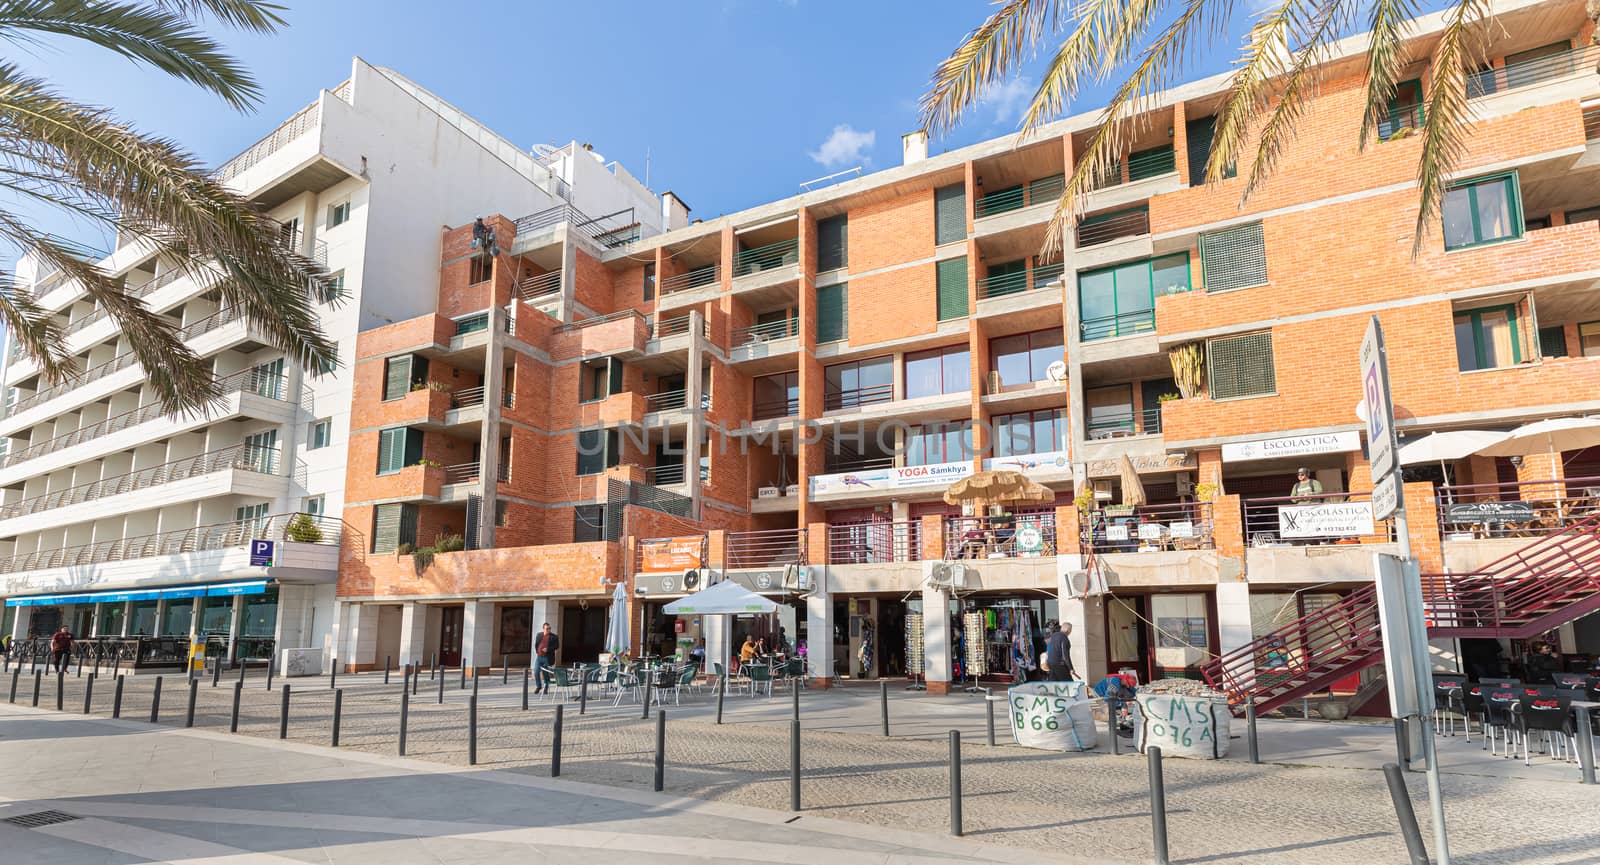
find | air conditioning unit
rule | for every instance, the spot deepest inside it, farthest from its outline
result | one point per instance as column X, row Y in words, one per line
column 797, row 578
column 958, row 575
column 693, row 581
column 1102, row 490
column 939, row 575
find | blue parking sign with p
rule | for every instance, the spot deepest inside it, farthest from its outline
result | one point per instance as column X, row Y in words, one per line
column 262, row 553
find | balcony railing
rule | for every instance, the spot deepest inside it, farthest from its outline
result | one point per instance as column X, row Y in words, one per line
column 1125, row 324
column 700, row 276
column 611, row 230
column 1175, row 526
column 1526, row 73
column 1324, row 518
column 766, row 549
column 665, row 475
column 598, row 320
column 1116, row 423
column 1017, row 197
column 466, row 397
column 834, row 400
column 467, row 473
column 775, row 408
column 299, row 527
column 1141, row 167
column 243, row 457
column 1523, row 509
column 773, row 255
column 269, row 385
column 296, row 126
column 100, row 313
column 874, row 543
column 1003, row 284
column 672, row 399
column 1093, row 231
column 535, row 288
column 676, row 326
column 1591, row 123
column 1024, row 535
column 846, row 463
column 765, row 332
column 1400, row 117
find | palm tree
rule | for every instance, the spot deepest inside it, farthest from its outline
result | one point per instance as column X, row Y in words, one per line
column 1279, row 68
column 83, row 160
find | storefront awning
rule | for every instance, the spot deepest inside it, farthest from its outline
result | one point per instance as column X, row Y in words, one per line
column 206, row 590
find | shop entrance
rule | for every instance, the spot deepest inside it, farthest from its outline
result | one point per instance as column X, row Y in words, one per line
column 1159, row 636
column 451, row 622
column 892, row 637
column 583, row 633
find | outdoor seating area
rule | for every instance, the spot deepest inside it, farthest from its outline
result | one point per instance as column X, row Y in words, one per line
column 1511, row 716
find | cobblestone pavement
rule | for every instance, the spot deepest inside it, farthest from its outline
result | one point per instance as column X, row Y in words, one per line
column 1093, row 804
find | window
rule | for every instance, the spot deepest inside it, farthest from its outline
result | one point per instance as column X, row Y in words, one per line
column 1200, row 134
column 1589, row 339
column 952, row 288
column 256, row 513
column 333, row 286
column 393, row 525
column 1405, row 110
column 1156, row 161
column 934, row 443
column 588, row 523
column 1233, row 258
column 777, row 395
column 261, row 452
column 338, row 214
column 858, row 383
column 599, row 379
column 597, row 450
column 833, row 312
column 403, row 374
column 1003, row 278
column 289, row 233
column 314, row 505
column 1024, row 433
column 833, row 242
column 500, row 513
column 1485, row 210
column 1487, row 338
column 1024, row 357
column 1539, row 64
column 1109, row 411
column 938, row 371
column 950, row 214
column 482, row 269
column 650, row 281
column 398, row 447
column 1242, row 366
column 1585, row 215
column 1553, row 341
column 1120, row 300
column 266, row 379
column 320, row 435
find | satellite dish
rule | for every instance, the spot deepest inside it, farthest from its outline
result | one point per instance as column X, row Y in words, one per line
column 1057, row 371
column 691, row 580
column 1361, row 410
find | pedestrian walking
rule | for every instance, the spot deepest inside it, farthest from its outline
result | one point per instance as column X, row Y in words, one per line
column 544, row 657
column 1058, row 651
column 61, row 648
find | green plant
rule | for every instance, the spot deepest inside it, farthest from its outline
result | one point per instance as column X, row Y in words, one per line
column 404, row 549
column 1188, row 368
column 421, row 559
column 1205, row 492
column 429, row 463
column 1084, row 498
column 1168, row 397
column 452, row 543
column 303, row 529
column 440, row 386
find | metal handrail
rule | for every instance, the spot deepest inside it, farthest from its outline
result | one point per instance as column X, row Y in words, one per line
column 775, row 408
column 1125, row 324
column 1591, row 123
column 1134, row 223
column 595, row 228
column 873, row 543
column 668, row 400
column 1143, row 167
column 299, row 124
column 783, row 253
column 706, row 274
column 243, row 457
column 765, row 332
column 1401, row 117
column 664, row 475
column 858, row 465
column 466, row 397
column 677, row 325
column 268, row 385
column 1146, row 421
column 766, row 548
column 298, row 527
column 466, row 473
column 858, row 397
column 1555, row 504
column 1177, row 525
column 1321, row 641
column 995, row 537
column 599, row 319
column 1527, row 73
column 1261, row 517
column 1020, row 281
column 541, row 286
column 1022, row 195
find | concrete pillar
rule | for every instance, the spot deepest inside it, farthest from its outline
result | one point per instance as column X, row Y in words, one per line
column 719, row 641
column 127, row 615
column 196, row 611
column 819, row 635
column 413, row 633
column 544, row 610
column 94, row 631
column 938, row 643
column 1233, row 616
column 358, row 650
column 489, row 456
column 477, row 636
column 235, row 621
column 694, row 393
column 1085, row 615
column 161, row 618
column 19, row 626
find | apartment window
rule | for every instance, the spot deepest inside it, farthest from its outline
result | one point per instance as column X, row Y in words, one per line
column 320, row 435
column 1028, row 432
column 398, row 447
column 1589, row 339
column 933, row 443
column 482, row 269
column 833, row 242
column 1025, row 357
column 833, row 312
column 289, row 233
column 266, row 379
column 597, row 450
column 588, row 523
column 403, row 374
column 333, row 286
column 500, row 513
column 1487, row 338
column 314, row 505
column 1405, row 110
column 393, row 525
column 599, row 379
column 1121, row 300
column 1585, row 215
column 1109, row 411
column 261, row 452
column 1553, row 341
column 1200, row 134
column 858, row 383
column 950, row 213
column 777, row 395
column 1242, row 366
column 338, row 214
column 938, row 371
column 952, row 288
column 255, row 514
column 650, row 281
column 1486, row 210
column 1233, row 258
column 1539, row 64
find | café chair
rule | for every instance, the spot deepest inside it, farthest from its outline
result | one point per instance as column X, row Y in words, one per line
column 1552, row 716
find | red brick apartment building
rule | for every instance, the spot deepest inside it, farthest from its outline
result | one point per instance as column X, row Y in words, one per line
column 786, row 391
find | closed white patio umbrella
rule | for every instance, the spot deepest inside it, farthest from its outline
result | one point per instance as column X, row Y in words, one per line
column 617, row 641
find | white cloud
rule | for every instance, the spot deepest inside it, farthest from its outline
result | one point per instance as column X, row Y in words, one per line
column 1009, row 99
column 846, row 146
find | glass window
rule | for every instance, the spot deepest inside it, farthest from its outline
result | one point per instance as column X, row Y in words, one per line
column 397, row 448
column 1482, row 211
column 588, row 523
column 142, row 619
column 321, row 434
column 393, row 525
column 260, row 616
column 1587, row 214
column 859, row 383
column 933, row 443
column 1487, row 338
column 650, row 281
column 777, row 395
column 1169, row 274
column 597, row 450
column 334, row 286
column 314, row 505
column 110, row 624
column 216, row 616
column 1024, row 357
column 260, row 452
column 1116, row 301
column 1027, row 433
column 1553, row 341
column 339, row 214
column 938, row 371
column 175, row 621
column 1589, row 339
column 1110, row 411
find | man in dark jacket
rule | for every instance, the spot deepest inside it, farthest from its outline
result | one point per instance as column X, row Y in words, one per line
column 544, row 657
column 61, row 648
column 1058, row 651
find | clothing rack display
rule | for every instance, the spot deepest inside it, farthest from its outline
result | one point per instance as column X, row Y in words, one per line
column 1001, row 641
column 914, row 652
column 972, row 629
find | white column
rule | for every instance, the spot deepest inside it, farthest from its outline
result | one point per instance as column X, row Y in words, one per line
column 196, row 612
column 360, row 646
column 413, row 634
column 19, row 625
column 719, row 647
column 477, row 638
column 1086, row 616
column 819, row 635
column 938, row 644
column 235, row 622
column 95, row 630
column 161, row 618
column 544, row 610
column 127, row 617
column 1233, row 616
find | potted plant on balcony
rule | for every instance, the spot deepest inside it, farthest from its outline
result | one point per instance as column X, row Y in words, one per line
column 303, row 529
column 1188, row 369
column 428, row 463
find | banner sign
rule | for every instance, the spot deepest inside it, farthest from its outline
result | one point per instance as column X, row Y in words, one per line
column 1326, row 520
column 671, row 555
column 871, row 480
column 1490, row 512
column 1028, row 464
column 1292, row 446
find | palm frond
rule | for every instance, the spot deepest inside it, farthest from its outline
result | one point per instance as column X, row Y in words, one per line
column 256, row 16
column 1249, row 91
column 1074, row 61
column 161, row 38
column 1387, row 57
column 1444, row 129
column 36, row 333
column 987, row 56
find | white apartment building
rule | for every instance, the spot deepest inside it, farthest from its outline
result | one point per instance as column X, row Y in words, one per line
column 122, row 521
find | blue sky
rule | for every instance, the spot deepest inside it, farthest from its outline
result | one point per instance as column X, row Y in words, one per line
column 735, row 101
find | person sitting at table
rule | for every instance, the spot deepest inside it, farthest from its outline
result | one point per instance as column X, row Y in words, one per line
column 747, row 652
column 1540, row 666
column 698, row 653
column 1002, row 528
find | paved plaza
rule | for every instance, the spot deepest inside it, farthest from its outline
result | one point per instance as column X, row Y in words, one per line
column 1317, row 798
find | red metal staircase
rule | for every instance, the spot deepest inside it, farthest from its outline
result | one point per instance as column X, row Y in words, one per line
column 1548, row 583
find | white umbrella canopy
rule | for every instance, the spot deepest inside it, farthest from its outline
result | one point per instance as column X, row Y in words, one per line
column 724, row 598
column 1447, row 446
column 617, row 641
column 1547, row 436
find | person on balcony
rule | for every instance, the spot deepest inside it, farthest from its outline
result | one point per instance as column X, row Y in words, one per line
column 1305, row 486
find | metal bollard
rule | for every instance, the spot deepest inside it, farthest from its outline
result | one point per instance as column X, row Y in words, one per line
column 38, row 679
column 527, row 676
column 405, row 719
column 661, row 750
column 155, row 702
column 475, row 681
column 1113, row 707
column 116, row 664
column 644, row 710
column 1585, row 743
column 505, row 670
column 116, row 698
column 80, row 665
column 988, row 700
column 233, row 718
column 472, row 730
column 463, row 676
column 416, row 678
column 441, row 688
column 1250, row 731
column 955, row 783
column 722, row 691
column 188, row 712
column 1404, row 812
column 243, row 666
column 333, row 674
column 386, row 660
column 88, row 693
column 883, row 705
column 338, row 713
column 96, row 671
column 16, row 675
column 272, row 663
column 216, row 673
column 283, row 714
column 583, row 694
column 61, row 689
column 555, row 745
column 1158, row 804
column 794, row 765
column 796, row 700
column 433, row 665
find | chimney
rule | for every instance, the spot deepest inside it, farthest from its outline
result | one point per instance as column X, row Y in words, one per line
column 674, row 213
column 913, row 147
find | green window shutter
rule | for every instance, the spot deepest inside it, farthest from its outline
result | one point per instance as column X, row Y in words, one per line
column 616, row 377
column 1553, row 341
column 385, row 528
column 950, row 214
column 833, row 317
column 1233, row 258
column 408, row 524
column 389, row 451
column 952, row 280
column 396, row 377
column 1242, row 366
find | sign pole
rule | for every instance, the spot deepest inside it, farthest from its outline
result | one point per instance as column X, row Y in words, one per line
column 1383, row 446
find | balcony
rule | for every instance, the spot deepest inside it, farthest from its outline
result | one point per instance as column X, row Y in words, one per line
column 761, row 271
column 538, row 289
column 844, row 400
column 1309, row 539
column 1527, row 73
column 1111, row 326
column 300, row 530
column 1018, row 282
column 874, row 543
column 624, row 333
column 775, row 408
column 1021, row 535
column 669, row 408
column 771, row 548
column 1120, row 422
column 471, row 473
column 697, row 285
column 666, row 335
column 1402, row 120
column 1169, row 527
column 609, row 231
column 769, row 341
column 1107, row 235
column 302, row 123
column 1017, row 206
column 1138, row 177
